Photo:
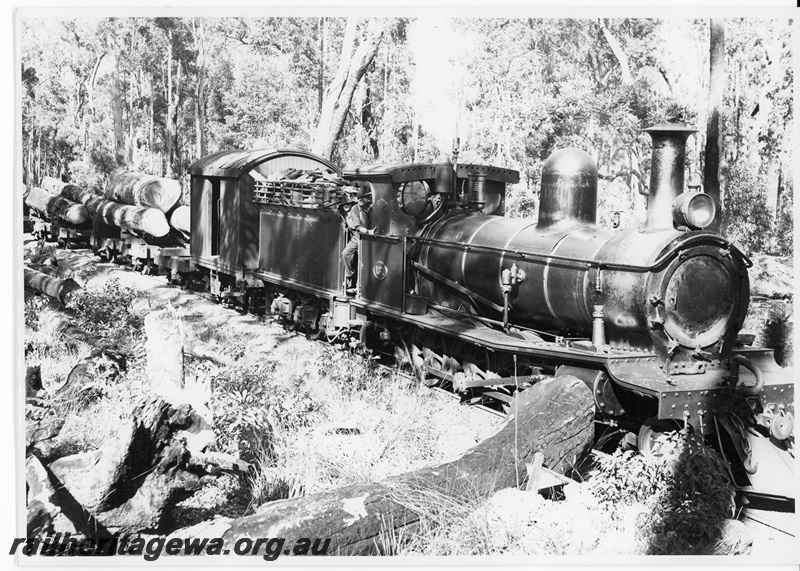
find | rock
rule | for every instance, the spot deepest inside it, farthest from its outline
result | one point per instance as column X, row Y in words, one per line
column 41, row 430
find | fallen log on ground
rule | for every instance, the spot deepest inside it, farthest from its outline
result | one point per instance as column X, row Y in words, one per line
column 553, row 417
column 148, row 220
column 181, row 219
column 62, row 328
column 88, row 380
column 145, row 190
column 54, row 206
column 60, row 290
column 44, row 516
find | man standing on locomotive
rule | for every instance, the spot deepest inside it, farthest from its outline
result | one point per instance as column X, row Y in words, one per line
column 358, row 221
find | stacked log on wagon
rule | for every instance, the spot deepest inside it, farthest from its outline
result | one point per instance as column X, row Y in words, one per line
column 148, row 220
column 52, row 185
column 143, row 190
column 181, row 219
column 56, row 207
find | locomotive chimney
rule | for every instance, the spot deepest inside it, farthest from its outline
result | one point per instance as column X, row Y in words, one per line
column 569, row 190
column 666, row 173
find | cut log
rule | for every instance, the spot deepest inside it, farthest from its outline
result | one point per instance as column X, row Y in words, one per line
column 60, row 290
column 131, row 481
column 54, row 206
column 52, row 185
column 554, row 417
column 148, row 220
column 62, row 328
column 181, row 219
column 145, row 190
column 77, row 194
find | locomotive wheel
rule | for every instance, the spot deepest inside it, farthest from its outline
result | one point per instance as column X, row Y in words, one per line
column 649, row 431
column 417, row 359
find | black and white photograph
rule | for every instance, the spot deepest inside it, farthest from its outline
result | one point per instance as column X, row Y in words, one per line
column 453, row 285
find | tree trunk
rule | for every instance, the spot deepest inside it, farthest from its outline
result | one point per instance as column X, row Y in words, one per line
column 129, row 483
column 151, row 144
column 200, row 89
column 340, row 93
column 321, row 69
column 131, row 142
column 618, row 52
column 170, row 103
column 116, row 102
column 716, row 89
column 553, row 417
column 86, row 123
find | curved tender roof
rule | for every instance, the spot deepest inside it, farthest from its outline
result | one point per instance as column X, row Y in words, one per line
column 233, row 163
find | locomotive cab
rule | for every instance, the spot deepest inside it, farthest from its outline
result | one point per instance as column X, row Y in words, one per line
column 405, row 199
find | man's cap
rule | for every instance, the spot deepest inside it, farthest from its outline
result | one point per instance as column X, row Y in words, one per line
column 364, row 191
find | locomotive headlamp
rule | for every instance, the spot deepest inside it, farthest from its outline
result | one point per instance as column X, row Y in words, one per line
column 695, row 210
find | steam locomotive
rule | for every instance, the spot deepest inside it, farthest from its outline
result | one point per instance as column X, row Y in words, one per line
column 464, row 296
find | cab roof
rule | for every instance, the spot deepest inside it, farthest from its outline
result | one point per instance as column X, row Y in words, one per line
column 405, row 172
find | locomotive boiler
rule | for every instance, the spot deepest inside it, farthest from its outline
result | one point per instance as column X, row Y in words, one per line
column 463, row 296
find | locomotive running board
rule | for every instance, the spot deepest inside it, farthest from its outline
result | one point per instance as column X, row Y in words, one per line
column 636, row 371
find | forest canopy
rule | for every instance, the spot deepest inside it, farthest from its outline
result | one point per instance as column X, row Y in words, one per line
column 155, row 94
